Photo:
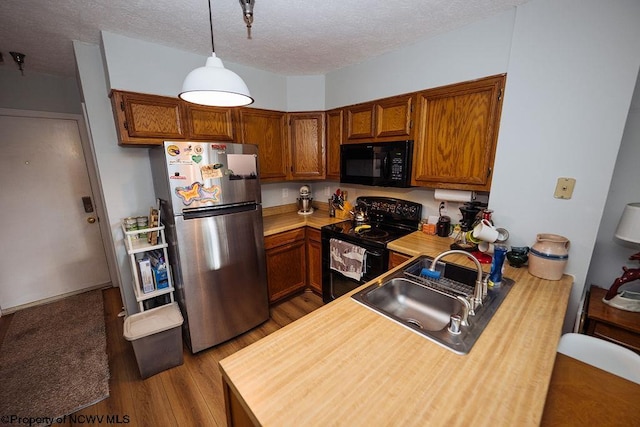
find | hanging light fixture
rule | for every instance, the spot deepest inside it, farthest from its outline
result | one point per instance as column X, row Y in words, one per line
column 214, row 85
column 247, row 14
column 19, row 58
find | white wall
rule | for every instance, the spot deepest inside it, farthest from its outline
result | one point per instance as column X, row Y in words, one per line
column 140, row 66
column 305, row 93
column 610, row 253
column 476, row 50
column 38, row 91
column 571, row 74
column 124, row 172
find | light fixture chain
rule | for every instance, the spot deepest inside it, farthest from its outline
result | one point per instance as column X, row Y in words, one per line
column 213, row 49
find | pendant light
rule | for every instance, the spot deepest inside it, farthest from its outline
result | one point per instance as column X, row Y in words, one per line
column 213, row 85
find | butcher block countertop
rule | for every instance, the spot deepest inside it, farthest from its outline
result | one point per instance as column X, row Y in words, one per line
column 343, row 364
column 284, row 218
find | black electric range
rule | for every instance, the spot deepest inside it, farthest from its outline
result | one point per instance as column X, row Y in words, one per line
column 388, row 219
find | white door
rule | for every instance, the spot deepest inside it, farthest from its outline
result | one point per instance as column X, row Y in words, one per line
column 50, row 245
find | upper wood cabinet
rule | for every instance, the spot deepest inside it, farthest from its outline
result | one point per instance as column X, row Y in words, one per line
column 457, row 134
column 360, row 121
column 143, row 119
column 290, row 145
column 386, row 119
column 210, row 123
column 267, row 129
column 306, row 146
column 334, row 120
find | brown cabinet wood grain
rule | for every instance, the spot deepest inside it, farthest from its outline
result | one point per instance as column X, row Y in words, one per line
column 210, row 123
column 266, row 129
column 306, row 146
column 360, row 121
column 394, row 117
column 457, row 134
column 314, row 260
column 147, row 120
column 396, row 258
column 385, row 119
column 286, row 263
column 334, row 120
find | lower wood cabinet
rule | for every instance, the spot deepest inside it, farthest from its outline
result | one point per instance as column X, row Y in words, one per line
column 294, row 262
column 314, row 260
column 396, row 258
column 237, row 416
column 286, row 263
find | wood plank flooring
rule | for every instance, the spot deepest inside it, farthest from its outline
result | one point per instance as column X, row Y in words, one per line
column 187, row 395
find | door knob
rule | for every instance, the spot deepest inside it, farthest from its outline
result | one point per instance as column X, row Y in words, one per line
column 91, row 220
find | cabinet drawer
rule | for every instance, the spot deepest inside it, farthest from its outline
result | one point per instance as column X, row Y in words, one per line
column 283, row 238
column 617, row 335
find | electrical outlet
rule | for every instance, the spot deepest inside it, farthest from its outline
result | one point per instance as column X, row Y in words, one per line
column 442, row 209
column 327, row 191
column 285, row 193
column 564, row 188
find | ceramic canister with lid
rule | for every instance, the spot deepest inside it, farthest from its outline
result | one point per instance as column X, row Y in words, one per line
column 548, row 256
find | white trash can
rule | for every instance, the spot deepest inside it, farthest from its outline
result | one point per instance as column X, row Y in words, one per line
column 156, row 336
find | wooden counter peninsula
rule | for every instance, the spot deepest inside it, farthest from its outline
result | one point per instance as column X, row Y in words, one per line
column 284, row 218
column 343, row 364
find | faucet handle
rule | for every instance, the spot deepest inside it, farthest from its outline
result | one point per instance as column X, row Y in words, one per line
column 485, row 284
column 454, row 324
column 466, row 310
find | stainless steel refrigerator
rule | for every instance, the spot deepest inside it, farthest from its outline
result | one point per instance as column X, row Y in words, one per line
column 210, row 204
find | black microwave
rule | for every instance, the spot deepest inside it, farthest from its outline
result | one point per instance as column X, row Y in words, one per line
column 384, row 164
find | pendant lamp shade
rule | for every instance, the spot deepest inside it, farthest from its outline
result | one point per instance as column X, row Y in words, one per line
column 214, row 85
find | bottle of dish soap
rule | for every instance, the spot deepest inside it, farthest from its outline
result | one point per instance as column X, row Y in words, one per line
column 495, row 276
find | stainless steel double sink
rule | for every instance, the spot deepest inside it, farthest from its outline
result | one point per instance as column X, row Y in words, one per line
column 429, row 307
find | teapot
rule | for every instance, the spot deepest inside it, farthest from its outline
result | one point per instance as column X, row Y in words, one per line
column 359, row 214
column 518, row 256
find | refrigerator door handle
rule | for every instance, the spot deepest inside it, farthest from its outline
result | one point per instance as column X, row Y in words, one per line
column 218, row 210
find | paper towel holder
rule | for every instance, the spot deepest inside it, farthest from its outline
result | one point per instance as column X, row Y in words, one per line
column 454, row 195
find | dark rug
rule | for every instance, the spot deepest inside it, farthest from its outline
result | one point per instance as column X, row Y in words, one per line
column 53, row 360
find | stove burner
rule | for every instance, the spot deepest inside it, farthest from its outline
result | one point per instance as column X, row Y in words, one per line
column 372, row 233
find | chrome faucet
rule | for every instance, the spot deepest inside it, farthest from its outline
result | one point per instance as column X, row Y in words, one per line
column 480, row 289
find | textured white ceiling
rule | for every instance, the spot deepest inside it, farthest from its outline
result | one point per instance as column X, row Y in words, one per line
column 289, row 37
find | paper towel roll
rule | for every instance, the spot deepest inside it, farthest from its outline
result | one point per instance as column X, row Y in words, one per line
column 453, row 195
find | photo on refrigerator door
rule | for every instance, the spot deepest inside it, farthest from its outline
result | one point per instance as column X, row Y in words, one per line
column 242, row 166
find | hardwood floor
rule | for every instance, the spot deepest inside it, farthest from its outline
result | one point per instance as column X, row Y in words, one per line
column 187, row 395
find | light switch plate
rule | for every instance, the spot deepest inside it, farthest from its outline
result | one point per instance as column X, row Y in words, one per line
column 564, row 188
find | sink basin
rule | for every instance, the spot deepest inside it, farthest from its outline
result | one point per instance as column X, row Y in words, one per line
column 425, row 306
column 413, row 303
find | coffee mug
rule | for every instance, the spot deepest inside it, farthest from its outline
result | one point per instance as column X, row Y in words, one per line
column 503, row 235
column 485, row 231
column 486, row 247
